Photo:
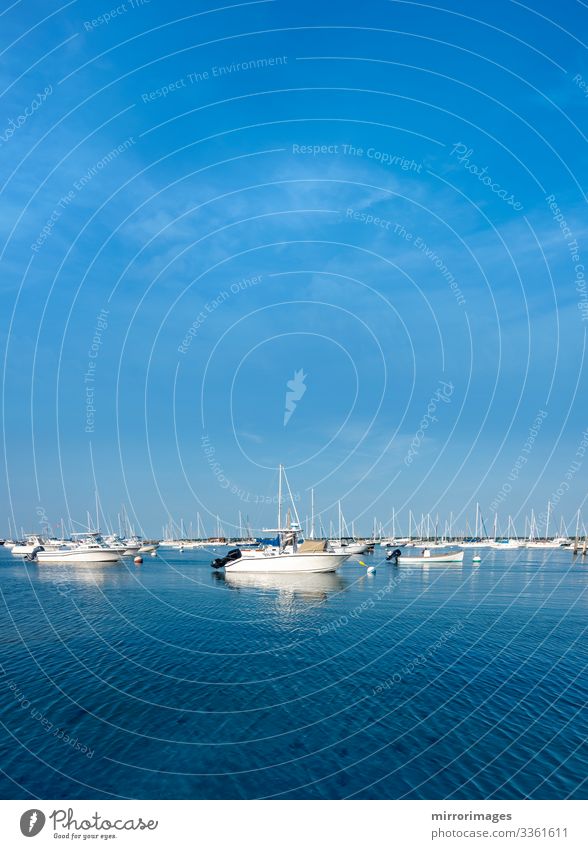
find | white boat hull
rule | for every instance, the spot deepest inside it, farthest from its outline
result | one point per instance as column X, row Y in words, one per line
column 299, row 562
column 74, row 555
column 21, row 550
column 350, row 548
column 453, row 557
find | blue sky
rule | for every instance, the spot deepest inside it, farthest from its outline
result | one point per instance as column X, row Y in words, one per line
column 198, row 204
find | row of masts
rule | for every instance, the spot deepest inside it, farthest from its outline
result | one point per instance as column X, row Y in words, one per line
column 431, row 528
column 65, row 529
column 425, row 528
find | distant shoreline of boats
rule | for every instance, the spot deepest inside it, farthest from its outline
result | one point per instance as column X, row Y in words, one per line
column 264, row 554
column 290, row 549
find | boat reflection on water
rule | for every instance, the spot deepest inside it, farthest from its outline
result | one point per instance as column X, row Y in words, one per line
column 97, row 574
column 306, row 586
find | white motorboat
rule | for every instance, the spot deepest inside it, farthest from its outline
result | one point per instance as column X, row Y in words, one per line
column 310, row 556
column 394, row 542
column 23, row 548
column 132, row 544
column 348, row 545
column 89, row 548
column 427, row 557
column 123, row 546
column 288, row 556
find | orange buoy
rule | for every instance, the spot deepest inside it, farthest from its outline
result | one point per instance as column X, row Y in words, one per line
column 138, row 560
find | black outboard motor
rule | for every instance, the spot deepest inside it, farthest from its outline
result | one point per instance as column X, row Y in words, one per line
column 394, row 555
column 33, row 555
column 233, row 554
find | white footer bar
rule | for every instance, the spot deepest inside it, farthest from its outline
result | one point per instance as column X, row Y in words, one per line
column 295, row 824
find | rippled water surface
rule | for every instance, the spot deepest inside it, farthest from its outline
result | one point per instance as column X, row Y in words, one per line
column 166, row 680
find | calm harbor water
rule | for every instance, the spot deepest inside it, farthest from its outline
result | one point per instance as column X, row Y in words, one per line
column 167, row 680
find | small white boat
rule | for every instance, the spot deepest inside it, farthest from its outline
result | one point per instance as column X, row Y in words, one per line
column 348, row 546
column 506, row 544
column 428, row 557
column 123, row 546
column 90, row 548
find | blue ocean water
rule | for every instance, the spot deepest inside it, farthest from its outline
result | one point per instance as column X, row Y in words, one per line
column 167, row 680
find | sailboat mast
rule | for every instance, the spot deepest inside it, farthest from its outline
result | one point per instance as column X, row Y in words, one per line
column 312, row 513
column 279, row 498
column 577, row 532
